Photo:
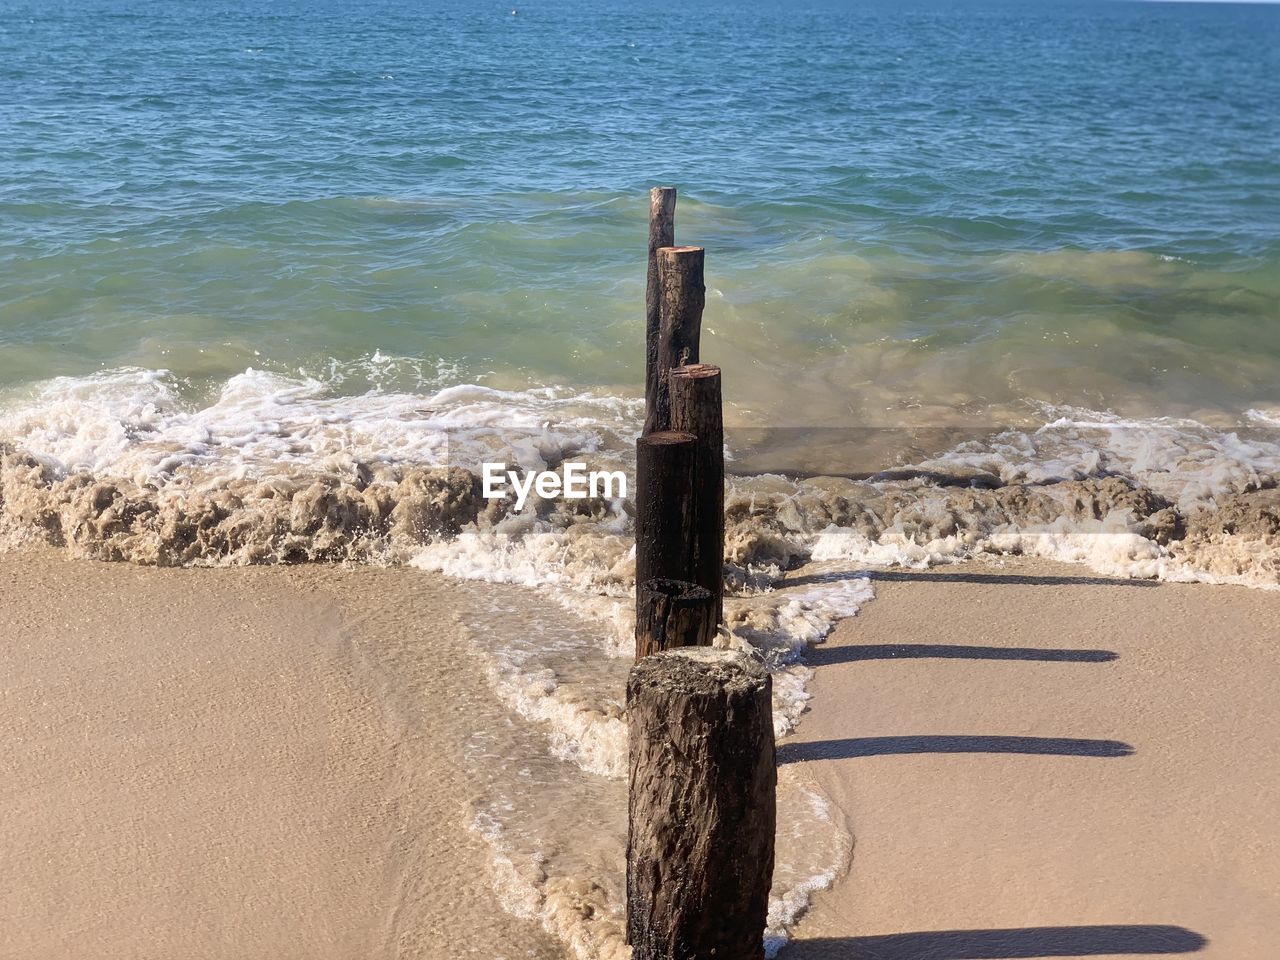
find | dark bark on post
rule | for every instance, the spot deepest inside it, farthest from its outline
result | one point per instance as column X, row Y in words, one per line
column 673, row 613
column 665, row 513
column 682, row 297
column 702, row 806
column 662, row 233
column 696, row 408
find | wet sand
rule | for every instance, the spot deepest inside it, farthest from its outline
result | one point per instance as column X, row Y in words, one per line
column 1037, row 763
column 245, row 763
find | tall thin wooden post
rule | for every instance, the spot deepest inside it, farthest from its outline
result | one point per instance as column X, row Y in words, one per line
column 696, row 408
column 702, row 806
column 682, row 295
column 662, row 233
column 666, row 464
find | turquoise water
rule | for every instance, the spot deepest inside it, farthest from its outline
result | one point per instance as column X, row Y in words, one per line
column 911, row 210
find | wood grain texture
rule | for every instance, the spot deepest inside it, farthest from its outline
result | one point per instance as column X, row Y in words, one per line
column 696, row 408
column 682, row 295
column 662, row 233
column 673, row 613
column 666, row 462
column 702, row 814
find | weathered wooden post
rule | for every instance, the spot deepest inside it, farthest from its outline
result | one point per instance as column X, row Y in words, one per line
column 682, row 295
column 696, row 408
column 673, row 613
column 662, row 233
column 702, row 806
column 666, row 464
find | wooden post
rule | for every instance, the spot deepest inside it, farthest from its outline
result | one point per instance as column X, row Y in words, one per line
column 701, row 811
column 662, row 233
column 696, row 409
column 673, row 613
column 665, row 514
column 682, row 295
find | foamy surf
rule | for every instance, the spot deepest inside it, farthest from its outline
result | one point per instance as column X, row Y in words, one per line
column 150, row 425
column 139, row 465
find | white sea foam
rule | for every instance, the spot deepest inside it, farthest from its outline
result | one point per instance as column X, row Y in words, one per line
column 780, row 624
column 818, row 847
column 850, row 546
column 146, row 424
column 158, row 430
column 1185, row 461
column 560, row 671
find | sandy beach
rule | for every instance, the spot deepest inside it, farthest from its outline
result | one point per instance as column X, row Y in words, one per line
column 238, row 763
column 271, row 762
column 1036, row 762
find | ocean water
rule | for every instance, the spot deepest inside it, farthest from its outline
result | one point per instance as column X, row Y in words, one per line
column 952, row 206
column 983, row 277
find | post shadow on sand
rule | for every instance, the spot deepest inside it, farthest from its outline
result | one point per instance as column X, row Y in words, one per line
column 855, row 747
column 1140, row 939
column 926, row 576
column 820, row 656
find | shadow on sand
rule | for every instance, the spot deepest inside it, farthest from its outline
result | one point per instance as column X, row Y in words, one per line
column 1139, row 939
column 854, row 747
column 818, row 656
column 942, row 576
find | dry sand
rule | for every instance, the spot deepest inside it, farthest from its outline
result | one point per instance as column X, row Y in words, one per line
column 253, row 763
column 1110, row 790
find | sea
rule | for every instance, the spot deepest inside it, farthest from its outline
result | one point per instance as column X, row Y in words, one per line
column 984, row 277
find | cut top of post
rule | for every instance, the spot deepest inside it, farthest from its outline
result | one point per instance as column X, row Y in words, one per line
column 696, row 371
column 662, row 201
column 698, row 670
column 679, row 251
